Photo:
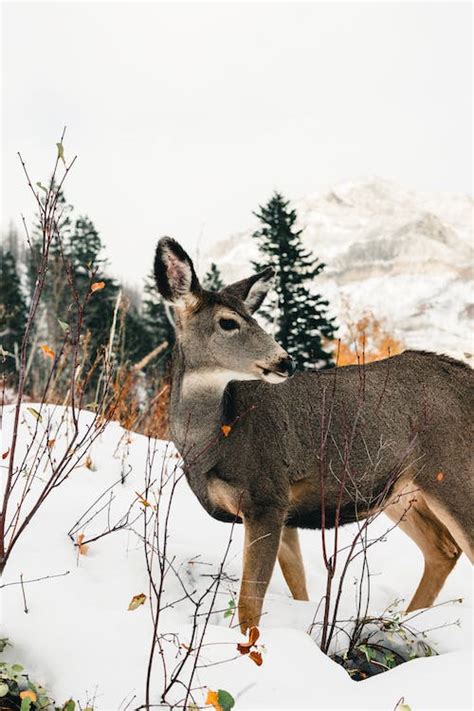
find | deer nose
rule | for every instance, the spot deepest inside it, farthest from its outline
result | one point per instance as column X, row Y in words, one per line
column 286, row 365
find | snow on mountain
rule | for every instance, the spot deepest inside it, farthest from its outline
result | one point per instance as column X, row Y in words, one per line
column 403, row 255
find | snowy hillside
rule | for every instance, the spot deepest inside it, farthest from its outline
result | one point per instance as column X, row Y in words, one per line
column 405, row 256
column 81, row 640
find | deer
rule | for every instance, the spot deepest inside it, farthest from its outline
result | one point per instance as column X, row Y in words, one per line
column 278, row 450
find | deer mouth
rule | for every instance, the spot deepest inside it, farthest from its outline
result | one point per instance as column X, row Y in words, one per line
column 271, row 376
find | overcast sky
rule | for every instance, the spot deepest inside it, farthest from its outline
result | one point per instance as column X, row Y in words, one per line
column 186, row 116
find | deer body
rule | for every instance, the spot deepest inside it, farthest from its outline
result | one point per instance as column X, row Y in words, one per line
column 318, row 449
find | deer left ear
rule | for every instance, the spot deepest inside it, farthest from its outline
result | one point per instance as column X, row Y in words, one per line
column 253, row 290
column 175, row 276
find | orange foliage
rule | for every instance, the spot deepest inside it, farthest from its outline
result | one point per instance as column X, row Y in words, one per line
column 368, row 341
column 124, row 405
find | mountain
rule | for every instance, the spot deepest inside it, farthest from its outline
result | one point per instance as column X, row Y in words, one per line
column 402, row 255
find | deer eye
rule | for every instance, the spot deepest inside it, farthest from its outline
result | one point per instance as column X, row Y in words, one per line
column 228, row 324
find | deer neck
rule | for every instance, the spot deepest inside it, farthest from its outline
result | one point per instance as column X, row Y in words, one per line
column 197, row 411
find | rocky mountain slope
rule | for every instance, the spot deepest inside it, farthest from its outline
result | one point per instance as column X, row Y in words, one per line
column 405, row 256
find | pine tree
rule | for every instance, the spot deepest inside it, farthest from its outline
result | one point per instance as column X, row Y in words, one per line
column 299, row 316
column 212, row 280
column 56, row 295
column 157, row 322
column 84, row 250
column 13, row 313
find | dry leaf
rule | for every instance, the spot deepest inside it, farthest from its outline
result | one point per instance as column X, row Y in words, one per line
column 89, row 464
column 136, row 601
column 440, row 476
column 212, row 699
column 245, row 647
column 142, row 500
column 51, row 443
column 28, row 694
column 97, row 286
column 35, row 414
column 226, row 430
column 5, row 454
column 256, row 657
column 220, row 699
column 48, row 351
column 83, row 547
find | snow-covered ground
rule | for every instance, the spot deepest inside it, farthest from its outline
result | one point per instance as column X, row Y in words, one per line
column 405, row 256
column 80, row 639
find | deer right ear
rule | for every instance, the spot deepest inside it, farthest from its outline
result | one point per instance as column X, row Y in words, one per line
column 175, row 276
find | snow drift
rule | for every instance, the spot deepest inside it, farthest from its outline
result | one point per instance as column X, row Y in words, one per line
column 80, row 639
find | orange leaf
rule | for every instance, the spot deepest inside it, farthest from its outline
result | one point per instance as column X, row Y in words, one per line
column 245, row 647
column 5, row 454
column 440, row 476
column 47, row 351
column 257, row 658
column 51, row 443
column 212, row 700
column 226, row 430
column 83, row 547
column 28, row 694
column 136, row 601
column 142, row 500
column 97, row 286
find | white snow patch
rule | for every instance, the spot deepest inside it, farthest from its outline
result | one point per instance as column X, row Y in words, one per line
column 81, row 641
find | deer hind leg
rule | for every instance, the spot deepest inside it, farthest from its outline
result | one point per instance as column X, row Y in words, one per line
column 439, row 548
column 462, row 538
column 291, row 563
column 262, row 540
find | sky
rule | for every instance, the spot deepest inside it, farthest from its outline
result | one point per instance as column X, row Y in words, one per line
column 185, row 117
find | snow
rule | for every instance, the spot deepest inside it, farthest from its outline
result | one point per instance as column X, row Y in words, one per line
column 80, row 640
column 403, row 255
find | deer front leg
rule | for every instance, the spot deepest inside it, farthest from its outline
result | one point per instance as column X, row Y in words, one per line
column 262, row 540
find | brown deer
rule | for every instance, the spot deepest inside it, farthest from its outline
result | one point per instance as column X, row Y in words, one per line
column 319, row 448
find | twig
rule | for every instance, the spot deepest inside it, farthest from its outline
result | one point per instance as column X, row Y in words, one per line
column 25, row 606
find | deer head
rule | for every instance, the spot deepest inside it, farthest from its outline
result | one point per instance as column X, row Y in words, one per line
column 216, row 333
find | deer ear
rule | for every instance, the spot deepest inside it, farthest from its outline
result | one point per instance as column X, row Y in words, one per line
column 253, row 290
column 175, row 276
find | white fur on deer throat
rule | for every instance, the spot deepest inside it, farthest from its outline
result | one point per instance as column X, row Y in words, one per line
column 216, row 380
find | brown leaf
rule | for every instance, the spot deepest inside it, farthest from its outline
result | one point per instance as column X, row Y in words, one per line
column 440, row 476
column 97, row 286
column 5, row 454
column 83, row 547
column 256, row 657
column 48, row 351
column 245, row 647
column 51, row 443
column 136, row 601
column 226, row 430
column 89, row 464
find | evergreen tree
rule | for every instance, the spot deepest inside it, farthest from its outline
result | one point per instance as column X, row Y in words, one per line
column 135, row 341
column 84, row 250
column 299, row 316
column 157, row 321
column 13, row 313
column 212, row 280
column 56, row 294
